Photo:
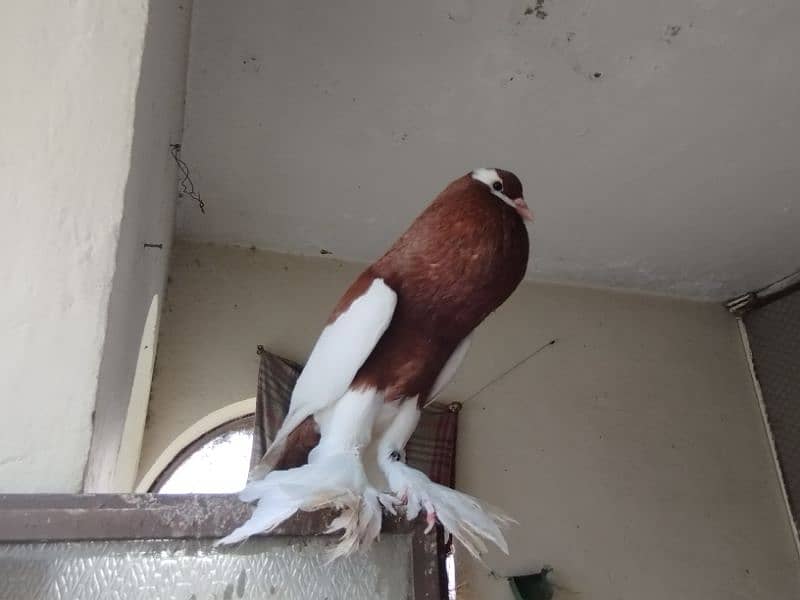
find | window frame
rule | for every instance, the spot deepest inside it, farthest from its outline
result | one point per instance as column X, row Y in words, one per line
column 26, row 518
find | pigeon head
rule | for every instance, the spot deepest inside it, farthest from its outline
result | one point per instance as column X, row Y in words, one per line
column 506, row 187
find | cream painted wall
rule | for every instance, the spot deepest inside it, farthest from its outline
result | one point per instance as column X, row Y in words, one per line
column 632, row 451
column 85, row 177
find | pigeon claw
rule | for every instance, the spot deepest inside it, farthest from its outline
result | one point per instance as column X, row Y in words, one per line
column 430, row 518
column 389, row 503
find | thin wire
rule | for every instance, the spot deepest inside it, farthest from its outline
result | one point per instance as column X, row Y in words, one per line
column 187, row 185
column 507, row 371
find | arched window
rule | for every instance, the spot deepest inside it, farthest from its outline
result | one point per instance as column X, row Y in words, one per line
column 217, row 462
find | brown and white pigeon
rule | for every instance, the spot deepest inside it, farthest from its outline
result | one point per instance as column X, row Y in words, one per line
column 393, row 341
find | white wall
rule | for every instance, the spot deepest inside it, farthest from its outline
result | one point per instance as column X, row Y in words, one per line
column 140, row 276
column 71, row 218
column 632, row 451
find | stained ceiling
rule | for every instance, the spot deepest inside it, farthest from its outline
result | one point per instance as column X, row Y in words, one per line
column 657, row 140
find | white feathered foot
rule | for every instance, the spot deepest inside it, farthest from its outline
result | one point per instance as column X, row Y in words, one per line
column 362, row 525
column 336, row 481
column 333, row 478
column 463, row 516
column 460, row 514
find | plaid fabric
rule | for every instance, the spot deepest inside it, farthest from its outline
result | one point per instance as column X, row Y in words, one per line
column 431, row 449
column 774, row 333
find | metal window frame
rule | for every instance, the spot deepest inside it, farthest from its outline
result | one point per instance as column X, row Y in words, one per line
column 65, row 517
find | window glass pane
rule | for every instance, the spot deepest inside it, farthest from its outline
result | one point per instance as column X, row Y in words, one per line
column 281, row 568
column 217, row 464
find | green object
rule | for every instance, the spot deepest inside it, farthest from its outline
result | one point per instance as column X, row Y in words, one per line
column 532, row 587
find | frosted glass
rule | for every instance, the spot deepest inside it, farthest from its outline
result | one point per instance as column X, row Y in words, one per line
column 263, row 568
column 219, row 466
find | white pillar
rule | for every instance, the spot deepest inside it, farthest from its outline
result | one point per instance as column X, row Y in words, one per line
column 85, row 176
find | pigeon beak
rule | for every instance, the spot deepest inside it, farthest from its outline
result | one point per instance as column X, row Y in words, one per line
column 523, row 210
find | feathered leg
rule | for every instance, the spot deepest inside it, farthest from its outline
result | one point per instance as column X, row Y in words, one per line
column 333, row 477
column 460, row 514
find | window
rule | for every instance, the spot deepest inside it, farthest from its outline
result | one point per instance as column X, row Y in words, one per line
column 215, row 463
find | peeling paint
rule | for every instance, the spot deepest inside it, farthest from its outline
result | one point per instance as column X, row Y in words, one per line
column 462, row 14
column 251, row 64
column 670, row 32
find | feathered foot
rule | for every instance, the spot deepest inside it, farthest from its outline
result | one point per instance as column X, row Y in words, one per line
column 361, row 526
column 336, row 481
column 460, row 514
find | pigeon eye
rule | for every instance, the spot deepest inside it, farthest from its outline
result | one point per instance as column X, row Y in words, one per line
column 497, row 186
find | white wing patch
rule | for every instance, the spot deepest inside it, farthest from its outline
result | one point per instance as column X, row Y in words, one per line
column 337, row 356
column 450, row 368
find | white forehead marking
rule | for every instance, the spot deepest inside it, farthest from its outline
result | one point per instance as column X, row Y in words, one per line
column 487, row 176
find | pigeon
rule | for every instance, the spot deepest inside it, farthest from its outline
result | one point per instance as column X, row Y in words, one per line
column 392, row 343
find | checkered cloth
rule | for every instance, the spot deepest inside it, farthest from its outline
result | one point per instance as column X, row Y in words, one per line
column 432, row 448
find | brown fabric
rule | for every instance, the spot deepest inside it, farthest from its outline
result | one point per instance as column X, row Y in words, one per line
column 432, row 448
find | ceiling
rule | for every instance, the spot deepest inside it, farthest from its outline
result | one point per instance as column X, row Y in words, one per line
column 657, row 140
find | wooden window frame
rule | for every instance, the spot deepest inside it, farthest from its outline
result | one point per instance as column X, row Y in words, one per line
column 62, row 517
